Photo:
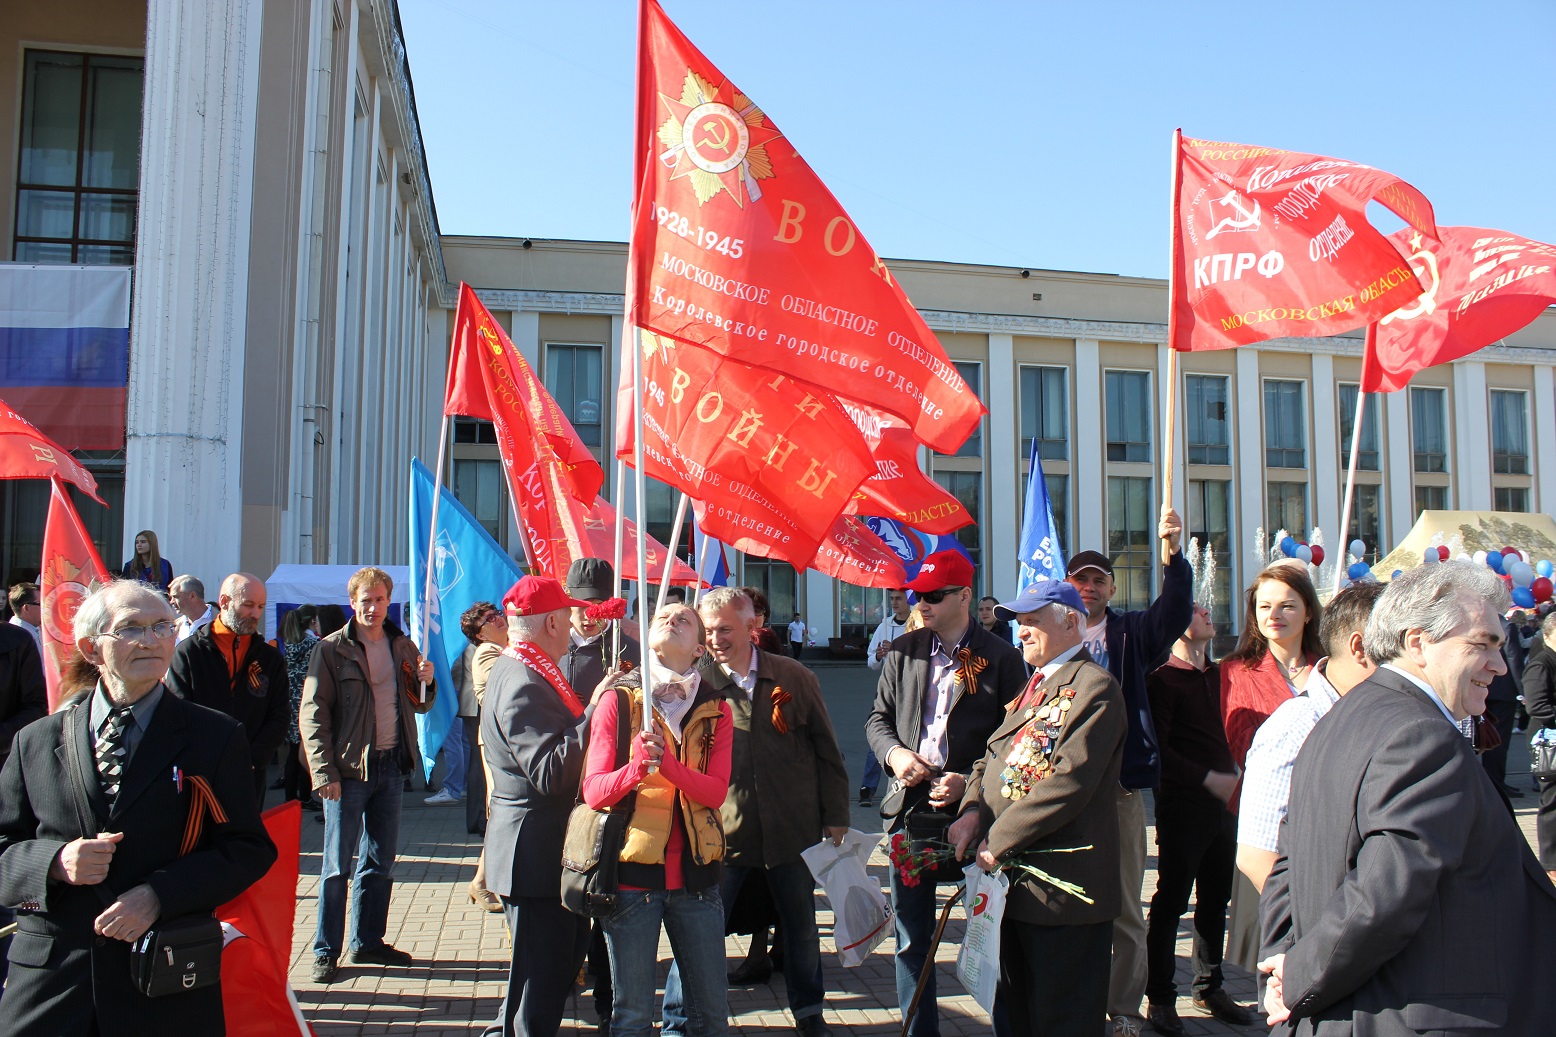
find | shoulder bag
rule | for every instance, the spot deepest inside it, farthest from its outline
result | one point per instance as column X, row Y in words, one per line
column 591, row 850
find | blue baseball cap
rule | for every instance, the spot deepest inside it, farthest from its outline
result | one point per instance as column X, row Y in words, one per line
column 1043, row 592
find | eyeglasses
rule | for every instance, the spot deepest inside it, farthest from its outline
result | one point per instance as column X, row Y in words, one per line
column 141, row 635
column 936, row 597
column 492, row 617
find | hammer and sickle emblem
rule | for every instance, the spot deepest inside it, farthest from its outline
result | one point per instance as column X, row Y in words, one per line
column 489, row 339
column 1424, row 265
column 718, row 135
column 1245, row 219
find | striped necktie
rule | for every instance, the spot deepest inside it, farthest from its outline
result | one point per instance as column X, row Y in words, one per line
column 110, row 750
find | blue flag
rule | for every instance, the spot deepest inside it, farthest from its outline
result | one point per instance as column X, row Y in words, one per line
column 1040, row 553
column 469, row 566
column 911, row 545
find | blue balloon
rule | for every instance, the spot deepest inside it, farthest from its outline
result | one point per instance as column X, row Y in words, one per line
column 1545, row 568
column 1358, row 570
column 1494, row 559
column 1396, row 574
column 1523, row 597
column 1288, row 546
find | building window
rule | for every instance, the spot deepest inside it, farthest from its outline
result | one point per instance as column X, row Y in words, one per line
column 1367, row 455
column 1286, row 508
column 1365, row 522
column 1210, row 521
column 859, row 612
column 574, row 376
column 777, row 580
column 478, row 486
column 1511, row 498
column 1129, row 416
column 1059, row 501
column 1209, row 436
column 1429, row 429
column 1045, row 412
column 1431, row 498
column 1131, row 540
column 474, row 430
column 79, row 158
column 967, row 487
column 972, row 374
column 1509, row 435
column 1284, row 425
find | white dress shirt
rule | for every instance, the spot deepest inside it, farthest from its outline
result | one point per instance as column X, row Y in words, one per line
column 1267, row 770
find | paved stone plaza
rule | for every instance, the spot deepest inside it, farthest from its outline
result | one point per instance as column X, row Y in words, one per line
column 461, row 952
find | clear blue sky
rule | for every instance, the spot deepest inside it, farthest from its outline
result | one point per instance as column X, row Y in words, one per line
column 1032, row 134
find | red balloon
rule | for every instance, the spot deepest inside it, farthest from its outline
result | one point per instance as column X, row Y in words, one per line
column 1509, row 551
column 1318, row 554
column 1442, row 553
column 1541, row 588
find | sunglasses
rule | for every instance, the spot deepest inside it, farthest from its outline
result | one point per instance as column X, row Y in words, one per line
column 936, row 597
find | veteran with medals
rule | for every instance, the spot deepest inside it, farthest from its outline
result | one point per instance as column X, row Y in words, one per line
column 1041, row 805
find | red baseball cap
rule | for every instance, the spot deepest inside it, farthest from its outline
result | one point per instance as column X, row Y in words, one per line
column 943, row 569
column 536, row 596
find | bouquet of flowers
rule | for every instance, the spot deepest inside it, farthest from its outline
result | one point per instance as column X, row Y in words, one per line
column 912, row 859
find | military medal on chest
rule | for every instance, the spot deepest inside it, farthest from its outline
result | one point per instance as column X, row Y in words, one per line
column 1028, row 761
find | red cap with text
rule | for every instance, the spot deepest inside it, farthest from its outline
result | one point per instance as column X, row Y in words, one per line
column 943, row 569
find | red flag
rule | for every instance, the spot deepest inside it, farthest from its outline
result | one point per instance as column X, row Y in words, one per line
column 26, row 453
column 899, row 489
column 489, row 378
column 1269, row 243
column 598, row 530
column 755, row 445
column 854, row 554
column 256, row 996
column 71, row 570
column 738, row 246
column 1479, row 285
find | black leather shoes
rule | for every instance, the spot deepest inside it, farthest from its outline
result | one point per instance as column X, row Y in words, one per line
column 1220, row 1004
column 751, row 973
column 812, row 1026
column 1164, row 1020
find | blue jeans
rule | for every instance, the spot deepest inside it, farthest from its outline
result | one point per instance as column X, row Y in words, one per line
column 794, row 899
column 695, row 924
column 454, row 759
column 872, row 772
column 365, row 822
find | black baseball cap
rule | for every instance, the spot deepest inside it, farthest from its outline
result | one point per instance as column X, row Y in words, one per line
column 1089, row 560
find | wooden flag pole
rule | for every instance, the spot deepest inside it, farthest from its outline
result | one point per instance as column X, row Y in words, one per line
column 1171, row 450
column 1344, row 547
column 675, row 539
column 641, row 484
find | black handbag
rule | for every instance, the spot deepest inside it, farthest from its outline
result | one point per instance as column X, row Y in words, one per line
column 172, row 957
column 591, row 849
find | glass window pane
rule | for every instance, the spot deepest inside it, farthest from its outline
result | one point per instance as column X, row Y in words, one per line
column 1128, row 397
column 478, row 486
column 112, row 145
column 51, row 118
column 1209, row 439
column 45, row 214
column 107, row 217
column 1131, row 541
column 1431, row 498
column 1286, row 508
column 1367, row 456
column 1284, row 425
column 972, row 374
column 106, row 255
column 1509, row 434
column 1428, row 429
column 42, row 252
column 1365, row 523
column 1210, row 521
column 574, row 379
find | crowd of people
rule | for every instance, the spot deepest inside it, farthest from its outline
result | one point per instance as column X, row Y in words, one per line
column 1329, row 794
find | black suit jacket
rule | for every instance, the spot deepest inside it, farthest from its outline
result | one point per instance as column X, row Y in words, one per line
column 23, row 695
column 62, row 974
column 899, row 701
column 1406, row 898
column 534, row 749
column 258, row 696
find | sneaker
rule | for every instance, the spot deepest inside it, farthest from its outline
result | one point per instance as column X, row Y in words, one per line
column 1220, row 1004
column 442, row 799
column 865, row 795
column 1127, row 1026
column 383, row 954
column 324, row 969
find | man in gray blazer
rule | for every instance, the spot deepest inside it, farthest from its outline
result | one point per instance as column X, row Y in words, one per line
column 1406, row 899
column 534, row 734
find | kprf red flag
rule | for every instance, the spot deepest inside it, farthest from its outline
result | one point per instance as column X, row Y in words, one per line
column 899, row 489
column 598, row 529
column 1270, row 243
column 1478, row 286
column 256, row 995
column 738, row 246
column 71, row 570
column 759, row 448
column 489, row 378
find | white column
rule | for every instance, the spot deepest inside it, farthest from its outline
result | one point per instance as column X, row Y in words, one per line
column 819, row 608
column 1400, row 461
column 1088, row 488
column 1003, row 466
column 1326, row 450
column 184, row 417
column 1542, row 419
column 1250, row 466
column 1471, row 436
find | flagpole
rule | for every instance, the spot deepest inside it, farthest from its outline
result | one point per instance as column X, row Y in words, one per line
column 641, row 484
column 621, row 525
column 432, row 538
column 702, row 564
column 1170, row 449
column 675, row 539
column 1350, row 478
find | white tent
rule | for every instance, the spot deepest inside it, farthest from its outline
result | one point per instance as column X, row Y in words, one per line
column 292, row 585
column 1534, row 534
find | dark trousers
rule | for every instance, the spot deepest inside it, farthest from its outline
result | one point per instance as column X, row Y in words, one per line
column 475, row 779
column 1054, row 978
column 1495, row 761
column 796, row 647
column 296, row 782
column 1196, row 841
column 549, row 942
column 261, row 785
column 1545, row 824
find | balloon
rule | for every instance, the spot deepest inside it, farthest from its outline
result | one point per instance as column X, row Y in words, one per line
column 1479, row 558
column 1495, row 561
column 1318, row 554
column 1396, row 574
column 1288, row 546
column 1305, row 554
column 1357, row 570
column 1358, row 548
column 1442, row 553
column 1541, row 588
column 1545, row 568
column 1510, row 551
column 1521, row 596
column 1431, row 557
column 1463, row 556
column 1521, row 572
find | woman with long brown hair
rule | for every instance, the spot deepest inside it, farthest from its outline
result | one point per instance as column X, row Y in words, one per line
column 148, row 565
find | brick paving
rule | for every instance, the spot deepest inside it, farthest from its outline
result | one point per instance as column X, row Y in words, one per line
column 461, row 952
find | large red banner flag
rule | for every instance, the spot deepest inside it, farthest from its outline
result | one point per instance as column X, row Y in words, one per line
column 853, row 553
column 1479, row 285
column 738, row 246
column 899, row 489
column 598, row 540
column 1269, row 243
column 257, row 998
column 71, row 570
column 762, row 450
column 489, row 378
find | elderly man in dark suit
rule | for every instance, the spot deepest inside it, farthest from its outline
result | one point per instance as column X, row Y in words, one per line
column 1406, row 899
column 534, row 735
column 942, row 692
column 1043, row 797
column 95, row 804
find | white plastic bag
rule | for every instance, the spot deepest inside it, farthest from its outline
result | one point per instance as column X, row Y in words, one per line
column 978, row 961
column 861, row 916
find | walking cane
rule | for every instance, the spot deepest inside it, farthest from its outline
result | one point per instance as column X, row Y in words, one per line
column 929, row 960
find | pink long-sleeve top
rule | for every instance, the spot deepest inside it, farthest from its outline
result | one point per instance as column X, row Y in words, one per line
column 604, row 787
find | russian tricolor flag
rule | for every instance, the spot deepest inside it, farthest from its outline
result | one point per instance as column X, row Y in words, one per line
column 65, row 350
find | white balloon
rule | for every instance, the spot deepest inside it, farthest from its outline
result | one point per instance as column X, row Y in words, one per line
column 1479, row 558
column 1430, row 557
column 1461, row 557
column 1305, row 554
column 1522, row 573
column 1358, row 548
